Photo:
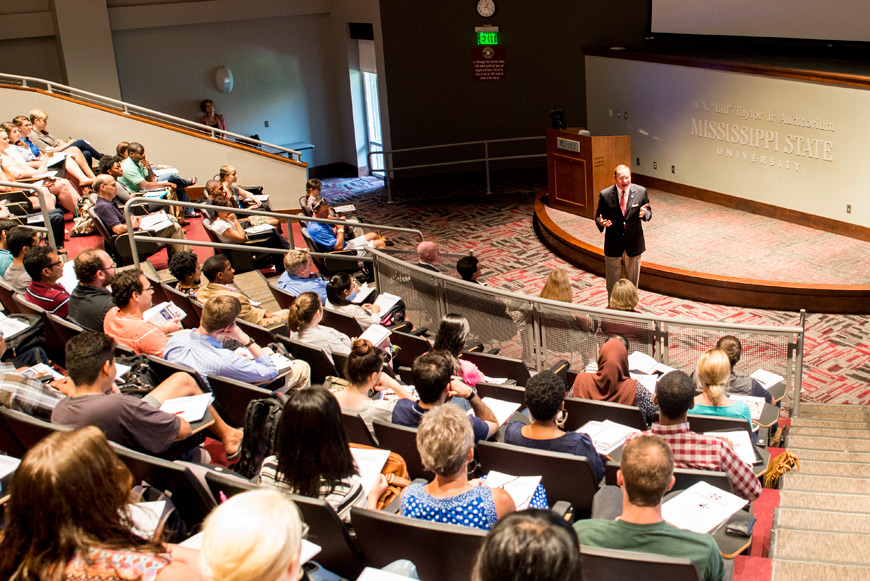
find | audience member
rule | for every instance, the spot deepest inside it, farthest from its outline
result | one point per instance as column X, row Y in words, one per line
column 139, row 175
column 611, row 381
column 92, row 298
column 111, row 165
column 45, row 268
column 253, row 535
column 328, row 237
column 557, row 287
column 228, row 228
column 468, row 268
column 432, row 379
column 132, row 294
column 364, row 372
column 298, row 276
column 675, row 394
column 110, row 213
column 201, row 349
column 56, row 220
column 623, row 297
column 545, row 398
column 71, row 161
column 711, row 376
column 6, row 257
column 121, row 149
column 445, row 441
column 184, row 266
column 340, row 291
column 427, row 255
column 20, row 240
column 48, row 143
column 240, row 197
column 213, row 191
column 313, row 188
column 739, row 384
column 303, row 321
column 220, row 275
column 450, row 342
column 132, row 422
column 212, row 119
column 312, row 457
column 529, row 545
column 646, row 473
column 59, row 189
column 68, row 517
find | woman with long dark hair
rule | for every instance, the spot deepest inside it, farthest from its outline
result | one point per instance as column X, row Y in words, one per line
column 312, row 457
column 68, row 519
column 340, row 290
column 450, row 342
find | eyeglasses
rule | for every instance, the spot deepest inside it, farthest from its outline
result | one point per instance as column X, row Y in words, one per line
column 318, row 203
column 113, row 265
column 53, row 264
column 305, row 529
column 150, row 288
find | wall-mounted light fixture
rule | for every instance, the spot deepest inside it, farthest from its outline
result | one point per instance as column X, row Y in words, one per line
column 223, row 78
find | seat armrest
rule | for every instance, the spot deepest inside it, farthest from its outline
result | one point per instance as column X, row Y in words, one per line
column 565, row 510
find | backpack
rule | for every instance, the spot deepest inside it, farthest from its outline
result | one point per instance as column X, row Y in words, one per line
column 261, row 428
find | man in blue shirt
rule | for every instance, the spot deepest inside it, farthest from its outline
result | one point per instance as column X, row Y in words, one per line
column 432, row 379
column 201, row 349
column 329, row 238
column 298, row 278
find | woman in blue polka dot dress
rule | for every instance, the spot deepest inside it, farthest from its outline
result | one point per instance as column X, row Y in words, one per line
column 446, row 443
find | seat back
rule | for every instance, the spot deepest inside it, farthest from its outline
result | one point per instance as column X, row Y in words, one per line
column 581, row 411
column 242, row 261
column 356, row 430
column 403, row 441
column 597, row 564
column 164, row 369
column 9, row 444
column 53, row 343
column 701, row 423
column 564, row 476
column 6, row 294
column 108, row 236
column 440, row 551
column 64, row 328
column 317, row 359
column 158, row 294
column 684, row 477
column 192, row 501
column 341, row 322
column 261, row 335
column 182, row 301
column 119, row 247
column 282, row 297
column 27, row 429
column 233, row 397
column 509, row 393
column 497, row 366
column 410, row 347
column 304, row 205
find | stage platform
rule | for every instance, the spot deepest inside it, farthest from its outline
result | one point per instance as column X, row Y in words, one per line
column 705, row 252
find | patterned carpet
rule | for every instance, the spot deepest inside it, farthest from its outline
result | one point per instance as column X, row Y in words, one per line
column 498, row 227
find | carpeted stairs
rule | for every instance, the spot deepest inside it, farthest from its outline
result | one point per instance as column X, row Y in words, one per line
column 821, row 529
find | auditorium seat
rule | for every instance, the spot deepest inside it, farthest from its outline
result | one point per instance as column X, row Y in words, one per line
column 403, row 441
column 356, row 430
column 684, row 477
column 581, row 411
column 317, row 359
column 282, row 297
column 232, row 398
column 182, row 301
column 28, row 430
column 509, row 393
column 597, row 564
column 498, row 366
column 119, row 246
column 340, row 322
column 410, row 347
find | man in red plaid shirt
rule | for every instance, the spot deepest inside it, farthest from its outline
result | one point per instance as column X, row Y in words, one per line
column 675, row 395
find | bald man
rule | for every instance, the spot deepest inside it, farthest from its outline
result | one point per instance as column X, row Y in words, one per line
column 621, row 209
column 427, row 253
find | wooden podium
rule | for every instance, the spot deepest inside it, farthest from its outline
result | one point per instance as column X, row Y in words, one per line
column 580, row 166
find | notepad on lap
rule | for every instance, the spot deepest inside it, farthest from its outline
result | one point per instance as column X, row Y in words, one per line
column 190, row 408
column 701, row 508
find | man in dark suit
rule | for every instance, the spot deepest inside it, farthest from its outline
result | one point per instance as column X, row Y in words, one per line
column 427, row 255
column 621, row 209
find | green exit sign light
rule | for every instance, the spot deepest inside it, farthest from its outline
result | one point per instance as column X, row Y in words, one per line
column 487, row 38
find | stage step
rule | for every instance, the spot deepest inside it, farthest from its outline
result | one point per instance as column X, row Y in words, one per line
column 812, row 483
column 827, row 443
column 803, row 571
column 850, row 432
column 833, row 501
column 827, row 455
column 821, row 520
column 856, row 414
column 822, row 468
column 838, row 548
column 807, row 423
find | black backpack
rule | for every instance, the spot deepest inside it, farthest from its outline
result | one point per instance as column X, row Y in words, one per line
column 261, row 428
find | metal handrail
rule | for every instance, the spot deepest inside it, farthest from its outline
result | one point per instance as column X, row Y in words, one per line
column 51, row 87
column 141, row 201
column 389, row 168
column 40, row 194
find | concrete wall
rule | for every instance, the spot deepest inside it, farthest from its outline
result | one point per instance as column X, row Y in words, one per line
column 792, row 144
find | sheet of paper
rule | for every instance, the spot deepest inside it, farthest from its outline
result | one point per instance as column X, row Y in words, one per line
column 68, row 280
column 191, row 408
column 261, row 197
column 41, row 369
column 36, row 219
column 345, row 209
column 11, row 327
column 503, row 410
column 155, row 194
column 8, row 465
column 362, row 293
column 756, row 404
column 259, row 229
column 280, row 362
column 372, row 574
column 164, row 172
column 607, row 436
column 146, row 517
column 155, row 222
column 740, row 441
column 648, row 381
column 121, row 369
column 387, row 301
column 309, row 551
column 377, row 334
column 496, row 380
column 767, row 379
column 521, row 488
column 370, row 464
column 166, row 311
column 642, row 362
column 701, row 508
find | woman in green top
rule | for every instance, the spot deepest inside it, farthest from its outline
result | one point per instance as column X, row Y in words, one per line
column 713, row 374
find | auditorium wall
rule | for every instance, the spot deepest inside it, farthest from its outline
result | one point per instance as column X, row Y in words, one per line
column 792, row 144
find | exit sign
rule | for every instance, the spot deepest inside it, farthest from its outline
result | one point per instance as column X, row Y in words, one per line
column 489, row 37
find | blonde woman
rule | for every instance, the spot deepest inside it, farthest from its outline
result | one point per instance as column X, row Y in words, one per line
column 557, row 287
column 713, row 373
column 623, row 297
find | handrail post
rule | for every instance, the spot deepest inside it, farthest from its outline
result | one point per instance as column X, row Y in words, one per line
column 799, row 368
column 388, row 164
column 486, row 157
